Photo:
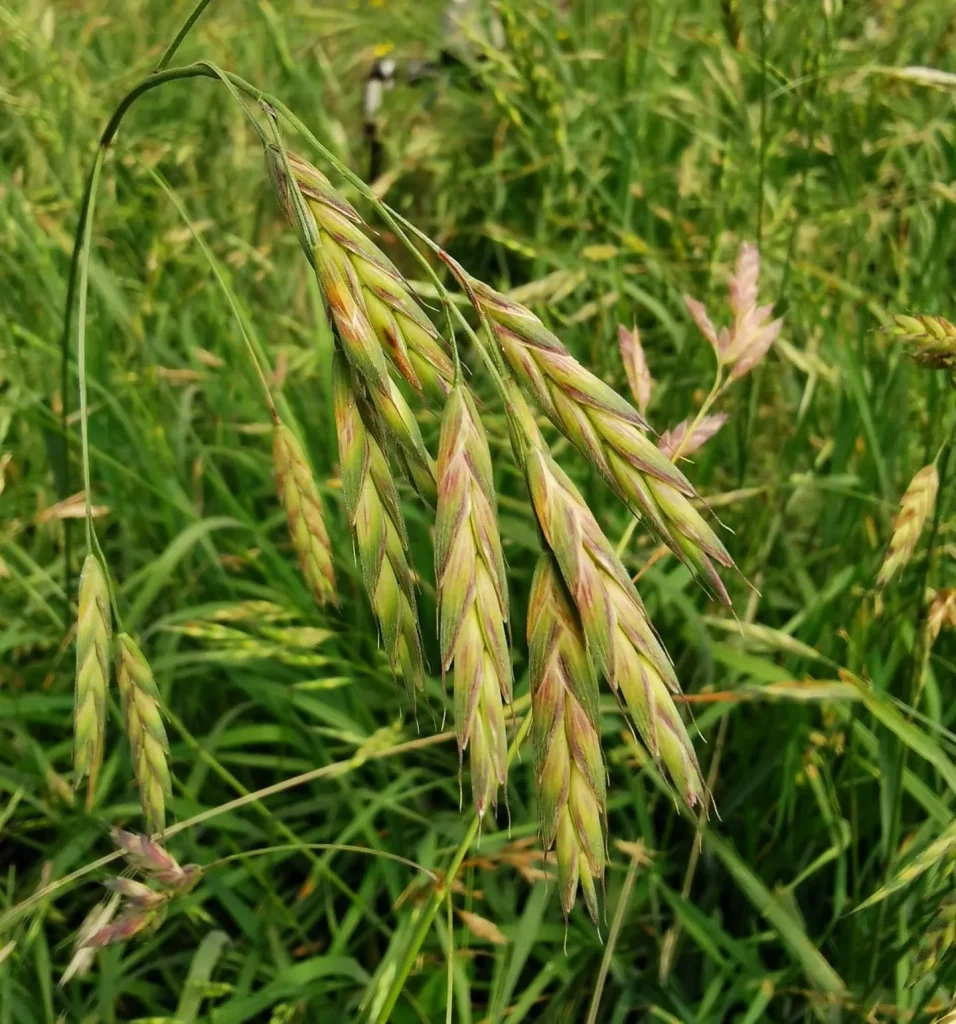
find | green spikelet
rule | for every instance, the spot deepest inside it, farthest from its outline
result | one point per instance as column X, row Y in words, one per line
column 569, row 766
column 930, row 340
column 379, row 529
column 93, row 631
column 300, row 498
column 608, row 430
column 355, row 274
column 144, row 727
column 473, row 596
column 621, row 641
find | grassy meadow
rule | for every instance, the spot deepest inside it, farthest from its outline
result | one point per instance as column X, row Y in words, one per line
column 602, row 164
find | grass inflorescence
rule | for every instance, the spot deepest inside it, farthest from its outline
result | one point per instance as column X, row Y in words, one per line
column 710, row 343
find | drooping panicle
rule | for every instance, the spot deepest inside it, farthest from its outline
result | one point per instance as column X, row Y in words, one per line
column 376, row 519
column 473, row 595
column 608, row 430
column 569, row 765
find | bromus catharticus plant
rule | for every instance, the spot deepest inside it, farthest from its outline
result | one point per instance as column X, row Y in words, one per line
column 587, row 622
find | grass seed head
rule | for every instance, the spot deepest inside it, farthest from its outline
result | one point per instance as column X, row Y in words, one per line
column 93, row 632
column 569, row 765
column 144, row 727
column 379, row 528
column 942, row 612
column 98, row 918
column 608, row 430
column 473, row 595
column 930, row 340
column 152, row 860
column 635, row 366
column 743, row 345
column 678, row 440
column 300, row 498
column 347, row 256
column 916, row 506
column 621, row 640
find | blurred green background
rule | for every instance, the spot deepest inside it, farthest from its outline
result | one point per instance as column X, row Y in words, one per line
column 606, row 158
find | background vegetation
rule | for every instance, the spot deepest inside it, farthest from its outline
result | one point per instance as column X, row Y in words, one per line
column 616, row 157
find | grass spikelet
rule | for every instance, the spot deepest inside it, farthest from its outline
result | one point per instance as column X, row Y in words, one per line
column 608, row 430
column 930, row 340
column 569, row 766
column 936, row 941
column 149, row 858
column 621, row 641
column 376, row 520
column 942, row 612
column 300, row 498
column 635, row 366
column 346, row 257
column 743, row 345
column 402, row 427
column 144, row 907
column 83, row 953
column 679, row 440
column 473, row 595
column 144, row 727
column 915, row 507
column 93, row 632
